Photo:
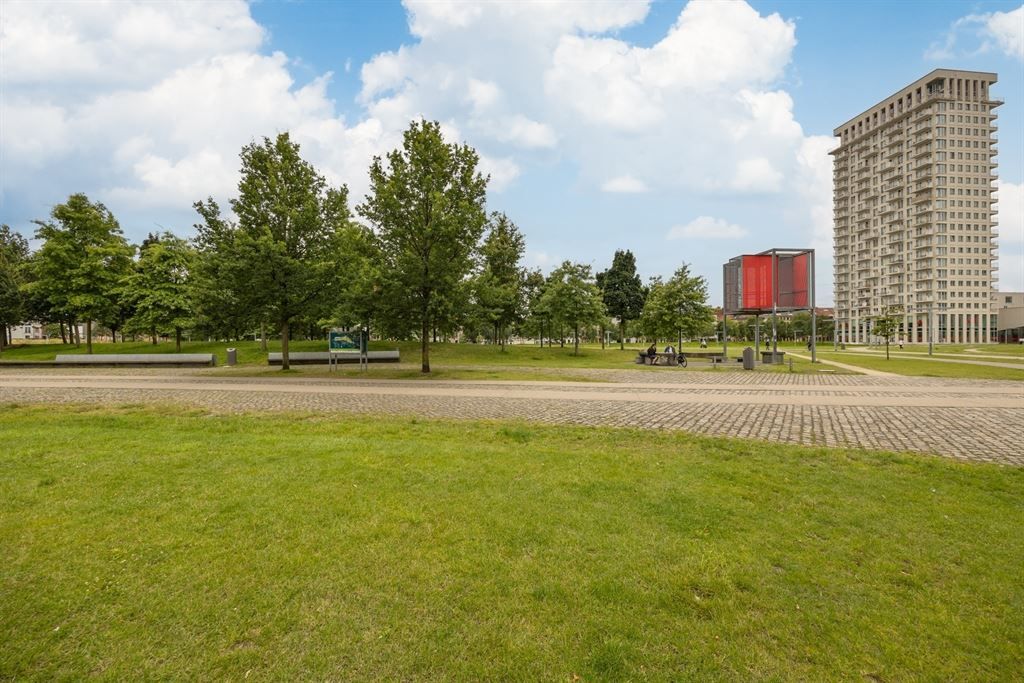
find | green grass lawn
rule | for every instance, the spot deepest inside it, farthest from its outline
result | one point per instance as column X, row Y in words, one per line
column 138, row 544
column 923, row 367
column 453, row 357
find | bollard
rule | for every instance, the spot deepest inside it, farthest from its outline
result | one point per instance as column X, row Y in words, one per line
column 232, row 357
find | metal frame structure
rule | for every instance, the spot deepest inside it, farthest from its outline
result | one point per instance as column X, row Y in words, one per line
column 732, row 304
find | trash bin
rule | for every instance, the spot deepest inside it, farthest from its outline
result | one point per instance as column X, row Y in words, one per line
column 232, row 356
column 748, row 358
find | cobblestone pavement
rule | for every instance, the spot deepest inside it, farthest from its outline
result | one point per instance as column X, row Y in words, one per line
column 965, row 419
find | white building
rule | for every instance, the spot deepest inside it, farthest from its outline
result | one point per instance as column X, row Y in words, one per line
column 914, row 179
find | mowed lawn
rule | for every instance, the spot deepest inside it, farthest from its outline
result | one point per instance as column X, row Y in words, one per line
column 922, row 366
column 168, row 544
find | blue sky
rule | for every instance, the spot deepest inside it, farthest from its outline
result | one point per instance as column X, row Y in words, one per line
column 687, row 132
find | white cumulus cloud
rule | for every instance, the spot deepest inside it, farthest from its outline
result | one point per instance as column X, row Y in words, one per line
column 1011, row 236
column 624, row 184
column 981, row 33
column 707, row 228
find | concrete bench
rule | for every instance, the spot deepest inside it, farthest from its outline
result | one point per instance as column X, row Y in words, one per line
column 665, row 359
column 324, row 357
column 137, row 360
column 776, row 358
column 711, row 356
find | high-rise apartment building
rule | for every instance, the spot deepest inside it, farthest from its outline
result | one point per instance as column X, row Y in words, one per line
column 914, row 180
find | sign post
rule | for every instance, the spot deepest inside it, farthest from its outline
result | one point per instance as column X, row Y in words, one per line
column 343, row 341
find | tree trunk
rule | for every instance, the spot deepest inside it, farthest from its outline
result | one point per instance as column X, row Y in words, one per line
column 576, row 341
column 88, row 335
column 177, row 339
column 152, row 335
column 601, row 330
column 622, row 335
column 76, row 333
column 887, row 348
column 263, row 337
column 425, row 346
column 284, row 346
column 63, row 333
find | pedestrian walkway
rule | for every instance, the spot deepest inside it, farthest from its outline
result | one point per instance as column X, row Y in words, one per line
column 967, row 419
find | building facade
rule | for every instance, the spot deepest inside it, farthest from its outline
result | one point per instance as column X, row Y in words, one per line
column 915, row 227
column 1008, row 308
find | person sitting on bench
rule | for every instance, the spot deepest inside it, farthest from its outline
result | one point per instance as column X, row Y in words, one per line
column 652, row 353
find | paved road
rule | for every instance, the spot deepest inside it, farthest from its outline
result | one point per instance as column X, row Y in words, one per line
column 972, row 420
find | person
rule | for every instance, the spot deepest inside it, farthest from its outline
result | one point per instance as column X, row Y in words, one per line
column 670, row 349
column 703, row 343
column 652, row 352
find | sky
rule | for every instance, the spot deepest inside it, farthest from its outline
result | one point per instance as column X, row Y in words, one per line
column 687, row 132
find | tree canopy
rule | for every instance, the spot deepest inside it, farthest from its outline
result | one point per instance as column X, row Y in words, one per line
column 572, row 298
column 157, row 289
column 500, row 283
column 78, row 269
column 13, row 254
column 677, row 308
column 289, row 238
column 426, row 205
column 622, row 290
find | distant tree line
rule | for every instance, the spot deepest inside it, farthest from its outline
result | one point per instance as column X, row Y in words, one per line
column 420, row 258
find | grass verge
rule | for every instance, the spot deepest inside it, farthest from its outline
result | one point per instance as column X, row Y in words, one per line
column 923, row 367
column 144, row 543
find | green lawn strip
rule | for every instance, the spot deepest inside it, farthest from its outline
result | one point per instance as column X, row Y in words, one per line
column 923, row 367
column 443, row 355
column 145, row 543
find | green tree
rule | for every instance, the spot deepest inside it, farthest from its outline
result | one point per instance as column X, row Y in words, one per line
column 623, row 291
column 80, row 265
column 13, row 254
column 887, row 324
column 220, row 283
column 157, row 290
column 427, row 207
column 572, row 298
column 536, row 319
column 500, row 284
column 285, row 253
column 678, row 307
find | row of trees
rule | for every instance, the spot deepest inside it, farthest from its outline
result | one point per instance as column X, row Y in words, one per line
column 426, row 259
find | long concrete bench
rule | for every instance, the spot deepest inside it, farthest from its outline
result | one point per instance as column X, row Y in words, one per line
column 324, row 357
column 137, row 360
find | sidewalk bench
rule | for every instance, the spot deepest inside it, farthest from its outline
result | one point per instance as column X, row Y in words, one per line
column 664, row 359
column 137, row 360
column 324, row 357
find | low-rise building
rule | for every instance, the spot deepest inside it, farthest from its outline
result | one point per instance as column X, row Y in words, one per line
column 1008, row 308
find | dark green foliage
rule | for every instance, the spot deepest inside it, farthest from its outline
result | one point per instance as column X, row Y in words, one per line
column 77, row 272
column 622, row 290
column 499, row 287
column 571, row 298
column 427, row 209
column 284, row 258
column 13, row 254
column 157, row 290
column 677, row 307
